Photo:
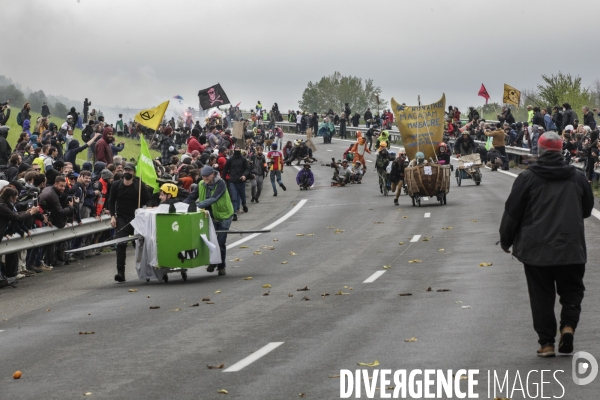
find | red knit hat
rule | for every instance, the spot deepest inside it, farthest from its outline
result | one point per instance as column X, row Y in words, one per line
column 550, row 142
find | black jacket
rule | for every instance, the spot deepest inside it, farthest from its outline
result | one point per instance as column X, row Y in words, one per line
column 543, row 215
column 368, row 115
column 464, row 147
column 538, row 119
column 45, row 111
column 588, row 119
column 5, row 149
column 569, row 117
column 557, row 118
column 51, row 204
column 9, row 217
column 236, row 167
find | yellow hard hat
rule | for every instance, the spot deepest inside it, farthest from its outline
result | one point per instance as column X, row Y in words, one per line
column 170, row 188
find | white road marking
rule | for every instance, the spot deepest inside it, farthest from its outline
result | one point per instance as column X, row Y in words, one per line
column 253, row 357
column 369, row 161
column 595, row 213
column 415, row 238
column 273, row 225
column 329, row 150
column 427, row 215
column 504, row 172
column 374, row 276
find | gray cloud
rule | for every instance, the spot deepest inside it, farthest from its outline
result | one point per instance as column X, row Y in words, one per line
column 139, row 52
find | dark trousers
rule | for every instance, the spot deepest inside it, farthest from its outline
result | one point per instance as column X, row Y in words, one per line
column 222, row 239
column 10, row 266
column 501, row 150
column 544, row 283
column 123, row 229
column 370, row 141
column 55, row 252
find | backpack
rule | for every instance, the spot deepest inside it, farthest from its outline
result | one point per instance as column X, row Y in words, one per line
column 20, row 119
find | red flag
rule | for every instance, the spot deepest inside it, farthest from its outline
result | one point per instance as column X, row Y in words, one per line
column 484, row 93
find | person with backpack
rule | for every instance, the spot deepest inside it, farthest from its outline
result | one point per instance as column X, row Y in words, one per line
column 24, row 114
column 119, row 126
column 569, row 116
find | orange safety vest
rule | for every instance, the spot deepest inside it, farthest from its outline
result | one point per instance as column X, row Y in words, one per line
column 101, row 200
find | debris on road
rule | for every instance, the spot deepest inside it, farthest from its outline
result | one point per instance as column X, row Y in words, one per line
column 372, row 364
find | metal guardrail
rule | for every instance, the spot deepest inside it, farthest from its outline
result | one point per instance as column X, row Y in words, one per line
column 48, row 235
column 351, row 130
column 519, row 151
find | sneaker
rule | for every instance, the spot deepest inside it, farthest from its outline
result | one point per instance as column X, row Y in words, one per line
column 565, row 345
column 58, row 264
column 234, row 217
column 119, row 278
column 222, row 272
column 211, row 268
column 28, row 272
column 19, row 276
column 283, row 187
column 256, row 200
column 252, row 201
column 395, row 202
column 245, row 208
column 547, row 350
column 274, row 194
column 43, row 268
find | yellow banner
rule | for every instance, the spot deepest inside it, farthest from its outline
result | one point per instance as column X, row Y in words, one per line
column 511, row 96
column 152, row 117
column 421, row 128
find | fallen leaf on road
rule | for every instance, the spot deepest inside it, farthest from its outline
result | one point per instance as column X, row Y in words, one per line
column 175, row 310
column 299, row 234
column 243, row 247
column 338, row 231
column 405, row 216
column 386, row 267
column 218, row 291
column 443, row 290
column 87, row 394
column 466, row 307
column 405, row 294
column 195, row 305
column 429, row 289
column 412, row 339
column 132, row 290
column 378, row 222
column 205, row 299
column 372, row 364
column 293, row 254
column 302, row 394
column 370, row 209
column 458, row 302
column 236, row 259
column 148, row 296
column 256, row 253
column 426, row 239
column 334, row 376
column 324, row 294
column 87, row 333
column 473, row 220
column 350, row 288
column 306, row 298
column 154, row 307
column 48, row 310
column 290, row 295
column 266, row 285
column 220, row 366
column 264, row 246
column 276, row 240
column 331, row 227
column 222, row 391
column 340, row 293
column 447, row 228
column 414, row 261
column 266, row 293
column 210, row 302
column 305, row 288
column 248, row 278
column 284, row 262
column 441, row 250
column 485, row 264
column 311, row 234
column 401, row 243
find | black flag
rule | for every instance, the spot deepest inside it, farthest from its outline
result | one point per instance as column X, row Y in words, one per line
column 213, row 96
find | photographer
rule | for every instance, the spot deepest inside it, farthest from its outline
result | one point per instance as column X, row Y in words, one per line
column 12, row 221
column 59, row 209
column 4, row 107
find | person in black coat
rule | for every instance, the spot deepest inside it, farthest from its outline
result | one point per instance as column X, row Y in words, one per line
column 538, row 118
column 45, row 110
column 368, row 117
column 314, row 123
column 347, row 110
column 237, row 169
column 569, row 116
column 549, row 241
column 355, row 120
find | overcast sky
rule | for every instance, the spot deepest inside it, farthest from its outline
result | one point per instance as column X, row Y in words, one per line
column 138, row 53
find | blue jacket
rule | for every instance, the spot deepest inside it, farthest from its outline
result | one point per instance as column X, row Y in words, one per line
column 304, row 174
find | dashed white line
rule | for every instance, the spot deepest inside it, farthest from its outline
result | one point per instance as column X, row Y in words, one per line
column 273, row 225
column 504, row 172
column 596, row 213
column 415, row 238
column 374, row 276
column 427, row 215
column 329, row 150
column 253, row 357
column 369, row 161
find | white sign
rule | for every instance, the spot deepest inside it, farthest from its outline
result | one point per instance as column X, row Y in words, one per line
column 427, row 170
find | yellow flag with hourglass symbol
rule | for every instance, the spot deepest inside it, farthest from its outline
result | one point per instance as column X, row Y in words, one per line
column 152, row 117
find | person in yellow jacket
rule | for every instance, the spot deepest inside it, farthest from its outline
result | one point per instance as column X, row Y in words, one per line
column 530, row 114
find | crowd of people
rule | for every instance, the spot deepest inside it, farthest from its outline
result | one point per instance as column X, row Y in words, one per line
column 580, row 140
column 51, row 178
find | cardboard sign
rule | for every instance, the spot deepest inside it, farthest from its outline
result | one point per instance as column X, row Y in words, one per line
column 238, row 133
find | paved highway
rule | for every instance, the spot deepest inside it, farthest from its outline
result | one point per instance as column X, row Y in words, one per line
column 281, row 343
